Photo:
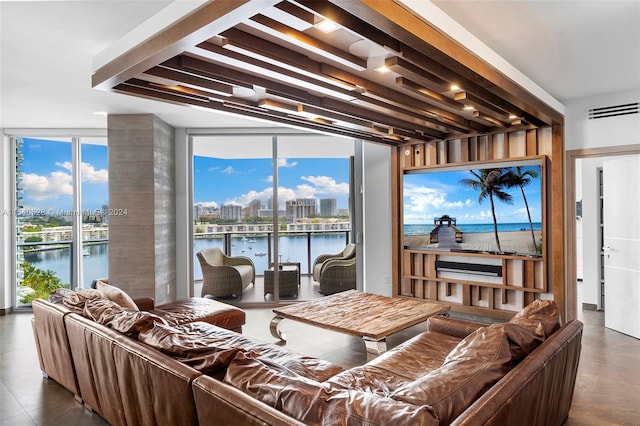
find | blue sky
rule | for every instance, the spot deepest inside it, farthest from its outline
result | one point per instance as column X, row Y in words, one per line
column 47, row 179
column 433, row 194
column 238, row 181
column 48, row 184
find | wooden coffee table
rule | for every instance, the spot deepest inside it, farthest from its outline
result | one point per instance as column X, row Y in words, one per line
column 370, row 316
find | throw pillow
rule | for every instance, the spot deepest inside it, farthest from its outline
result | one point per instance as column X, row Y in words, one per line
column 117, row 295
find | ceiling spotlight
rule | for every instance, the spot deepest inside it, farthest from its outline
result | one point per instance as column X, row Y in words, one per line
column 455, row 87
column 383, row 69
column 327, row 26
column 513, row 117
column 468, row 108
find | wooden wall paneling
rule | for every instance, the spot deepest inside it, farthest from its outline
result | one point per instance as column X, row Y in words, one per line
column 465, row 144
column 532, row 142
column 418, row 155
column 556, row 257
column 441, row 154
column 516, row 144
column 407, row 273
column 407, row 157
column 505, row 281
column 397, row 209
column 431, row 153
column 488, row 140
column 453, row 150
column 466, row 295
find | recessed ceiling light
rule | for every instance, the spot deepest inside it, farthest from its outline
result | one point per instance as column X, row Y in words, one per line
column 468, row 108
column 327, row 26
column 383, row 69
column 512, row 117
column 455, row 87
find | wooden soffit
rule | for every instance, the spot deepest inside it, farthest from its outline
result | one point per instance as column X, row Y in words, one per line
column 382, row 74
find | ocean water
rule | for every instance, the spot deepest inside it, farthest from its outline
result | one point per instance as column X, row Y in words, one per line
column 422, row 229
column 96, row 262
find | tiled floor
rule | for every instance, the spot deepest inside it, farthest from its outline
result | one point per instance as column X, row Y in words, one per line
column 606, row 392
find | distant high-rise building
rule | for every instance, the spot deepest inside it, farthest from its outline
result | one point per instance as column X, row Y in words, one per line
column 300, row 208
column 328, row 207
column 231, row 212
column 104, row 213
column 254, row 208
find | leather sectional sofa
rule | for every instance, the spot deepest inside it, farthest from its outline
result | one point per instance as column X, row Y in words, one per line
column 141, row 368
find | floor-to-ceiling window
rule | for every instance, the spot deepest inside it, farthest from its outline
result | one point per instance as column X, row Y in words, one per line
column 52, row 174
column 237, row 208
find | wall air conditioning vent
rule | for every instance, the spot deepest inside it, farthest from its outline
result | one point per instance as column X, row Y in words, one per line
column 614, row 111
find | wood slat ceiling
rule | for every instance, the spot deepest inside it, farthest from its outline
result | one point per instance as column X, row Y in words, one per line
column 375, row 77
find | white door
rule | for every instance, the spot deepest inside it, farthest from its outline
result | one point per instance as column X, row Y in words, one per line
column 621, row 210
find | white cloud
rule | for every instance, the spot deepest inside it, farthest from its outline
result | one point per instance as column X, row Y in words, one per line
column 327, row 185
column 88, row 172
column 38, row 187
column 422, row 204
column 284, row 162
column 229, row 171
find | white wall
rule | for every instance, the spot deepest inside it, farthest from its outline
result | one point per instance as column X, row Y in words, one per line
column 581, row 133
column 584, row 134
column 376, row 235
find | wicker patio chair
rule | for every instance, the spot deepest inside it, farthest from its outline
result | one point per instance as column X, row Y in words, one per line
column 223, row 275
column 347, row 253
column 337, row 275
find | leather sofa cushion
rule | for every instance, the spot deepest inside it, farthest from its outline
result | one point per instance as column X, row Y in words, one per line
column 209, row 348
column 471, row 368
column 70, row 299
column 540, row 316
column 398, row 366
column 313, row 402
column 114, row 316
column 274, row 384
column 201, row 309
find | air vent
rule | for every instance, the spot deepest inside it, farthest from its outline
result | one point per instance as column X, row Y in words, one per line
column 614, row 111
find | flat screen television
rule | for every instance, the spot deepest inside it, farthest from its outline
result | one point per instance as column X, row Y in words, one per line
column 488, row 207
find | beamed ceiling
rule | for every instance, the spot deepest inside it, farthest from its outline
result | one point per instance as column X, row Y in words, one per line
column 382, row 74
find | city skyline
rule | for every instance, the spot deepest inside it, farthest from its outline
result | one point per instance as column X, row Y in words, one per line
column 47, row 181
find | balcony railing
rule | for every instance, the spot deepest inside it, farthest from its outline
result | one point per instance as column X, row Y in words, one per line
column 294, row 246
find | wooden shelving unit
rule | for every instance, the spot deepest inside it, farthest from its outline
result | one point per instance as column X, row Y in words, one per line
column 523, row 278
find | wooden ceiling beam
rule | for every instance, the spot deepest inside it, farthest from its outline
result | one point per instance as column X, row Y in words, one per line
column 205, row 22
column 348, row 109
column 412, row 31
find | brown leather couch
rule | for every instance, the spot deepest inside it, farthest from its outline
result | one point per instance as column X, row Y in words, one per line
column 52, row 342
column 139, row 369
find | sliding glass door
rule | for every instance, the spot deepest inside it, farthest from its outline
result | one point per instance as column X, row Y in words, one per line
column 278, row 199
column 61, row 237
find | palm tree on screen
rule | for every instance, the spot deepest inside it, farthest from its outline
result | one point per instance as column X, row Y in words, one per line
column 491, row 184
column 521, row 179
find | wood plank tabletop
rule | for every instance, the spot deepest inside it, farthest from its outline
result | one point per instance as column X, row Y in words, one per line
column 362, row 314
